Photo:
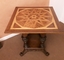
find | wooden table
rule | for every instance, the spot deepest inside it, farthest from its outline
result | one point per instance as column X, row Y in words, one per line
column 34, row 23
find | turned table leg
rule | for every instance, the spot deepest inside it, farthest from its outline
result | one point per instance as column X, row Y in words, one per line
column 34, row 42
column 43, row 39
column 25, row 44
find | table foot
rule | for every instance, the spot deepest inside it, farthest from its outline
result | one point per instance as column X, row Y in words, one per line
column 23, row 52
column 45, row 52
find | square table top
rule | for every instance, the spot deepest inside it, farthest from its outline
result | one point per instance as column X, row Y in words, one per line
column 33, row 20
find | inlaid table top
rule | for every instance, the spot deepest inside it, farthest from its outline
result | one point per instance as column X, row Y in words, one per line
column 33, row 20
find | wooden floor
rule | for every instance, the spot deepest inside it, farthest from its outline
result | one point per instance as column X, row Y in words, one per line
column 13, row 46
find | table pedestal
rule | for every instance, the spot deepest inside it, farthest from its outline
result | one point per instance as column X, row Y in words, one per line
column 34, row 42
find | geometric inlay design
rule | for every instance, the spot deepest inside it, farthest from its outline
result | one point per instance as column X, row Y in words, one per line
column 34, row 18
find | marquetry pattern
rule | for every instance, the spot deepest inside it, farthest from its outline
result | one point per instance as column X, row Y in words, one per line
column 33, row 18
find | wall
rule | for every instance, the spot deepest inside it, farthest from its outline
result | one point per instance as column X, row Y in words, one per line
column 59, row 8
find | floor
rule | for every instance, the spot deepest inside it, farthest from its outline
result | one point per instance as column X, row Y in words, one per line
column 54, row 45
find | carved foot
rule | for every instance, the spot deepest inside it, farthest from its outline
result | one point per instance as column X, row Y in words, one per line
column 23, row 52
column 45, row 52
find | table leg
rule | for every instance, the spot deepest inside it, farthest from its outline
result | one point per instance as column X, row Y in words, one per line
column 25, row 44
column 43, row 39
column 29, row 43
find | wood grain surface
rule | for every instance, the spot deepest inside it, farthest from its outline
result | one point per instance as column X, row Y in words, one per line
column 33, row 20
